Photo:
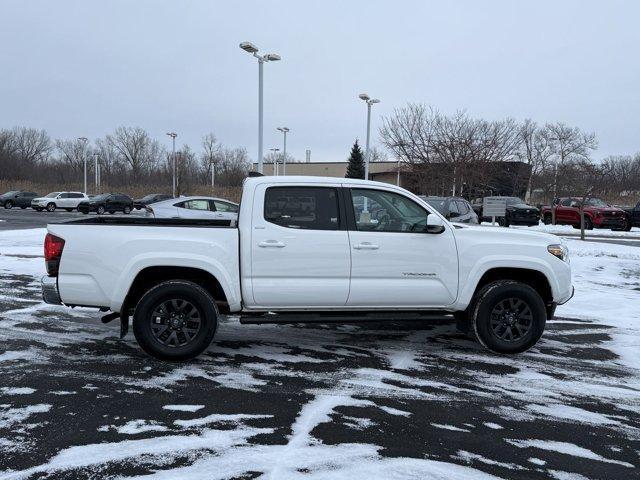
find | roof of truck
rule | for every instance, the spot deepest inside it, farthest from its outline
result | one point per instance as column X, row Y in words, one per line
column 309, row 179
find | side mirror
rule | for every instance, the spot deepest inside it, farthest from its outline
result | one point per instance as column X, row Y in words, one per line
column 434, row 224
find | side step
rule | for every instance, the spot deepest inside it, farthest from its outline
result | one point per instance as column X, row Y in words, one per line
column 342, row 317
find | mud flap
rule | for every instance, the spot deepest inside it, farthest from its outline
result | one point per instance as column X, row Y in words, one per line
column 124, row 324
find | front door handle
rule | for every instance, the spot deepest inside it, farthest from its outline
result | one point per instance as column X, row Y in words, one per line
column 366, row 246
column 271, row 244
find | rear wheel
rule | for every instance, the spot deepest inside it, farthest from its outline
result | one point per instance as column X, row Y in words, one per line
column 508, row 316
column 126, row 210
column 547, row 219
column 51, row 207
column 627, row 225
column 588, row 224
column 100, row 210
column 175, row 320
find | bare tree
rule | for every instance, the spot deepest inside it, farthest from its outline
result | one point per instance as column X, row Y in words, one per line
column 136, row 149
column 536, row 149
column 569, row 144
column 210, row 156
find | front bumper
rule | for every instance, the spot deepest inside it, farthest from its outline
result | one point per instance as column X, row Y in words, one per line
column 50, row 290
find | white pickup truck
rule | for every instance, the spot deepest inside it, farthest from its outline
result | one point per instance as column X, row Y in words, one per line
column 308, row 249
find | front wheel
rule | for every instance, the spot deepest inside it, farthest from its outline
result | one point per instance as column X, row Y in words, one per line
column 100, row 210
column 508, row 316
column 51, row 207
column 126, row 210
column 588, row 224
column 8, row 204
column 175, row 320
column 547, row 219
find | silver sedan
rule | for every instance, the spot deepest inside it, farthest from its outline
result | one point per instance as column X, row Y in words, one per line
column 194, row 207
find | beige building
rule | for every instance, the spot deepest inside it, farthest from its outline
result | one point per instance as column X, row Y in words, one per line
column 380, row 171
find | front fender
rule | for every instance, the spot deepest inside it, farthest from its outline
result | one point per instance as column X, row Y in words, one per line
column 501, row 261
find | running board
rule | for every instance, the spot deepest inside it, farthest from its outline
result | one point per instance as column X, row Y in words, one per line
column 341, row 317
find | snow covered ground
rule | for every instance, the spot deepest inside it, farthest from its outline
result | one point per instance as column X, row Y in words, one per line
column 393, row 400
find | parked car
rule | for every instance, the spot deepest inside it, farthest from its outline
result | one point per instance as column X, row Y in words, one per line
column 597, row 213
column 301, row 252
column 140, row 203
column 66, row 200
column 17, row 198
column 632, row 217
column 107, row 202
column 194, row 207
column 454, row 209
column 518, row 212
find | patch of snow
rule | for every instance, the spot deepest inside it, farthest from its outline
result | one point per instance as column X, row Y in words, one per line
column 537, row 461
column 139, row 426
column 493, row 426
column 217, row 418
column 394, row 411
column 566, row 449
column 470, row 457
column 17, row 390
column 11, row 416
column 183, row 408
column 450, row 427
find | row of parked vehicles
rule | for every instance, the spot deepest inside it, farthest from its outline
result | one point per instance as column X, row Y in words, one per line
column 155, row 205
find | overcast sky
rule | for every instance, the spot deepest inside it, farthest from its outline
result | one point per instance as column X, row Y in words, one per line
column 81, row 68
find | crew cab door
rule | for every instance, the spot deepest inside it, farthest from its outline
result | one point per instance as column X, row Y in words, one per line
column 299, row 247
column 394, row 262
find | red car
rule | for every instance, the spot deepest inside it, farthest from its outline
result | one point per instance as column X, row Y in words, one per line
column 597, row 213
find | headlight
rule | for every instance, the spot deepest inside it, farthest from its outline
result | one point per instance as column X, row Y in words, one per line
column 559, row 250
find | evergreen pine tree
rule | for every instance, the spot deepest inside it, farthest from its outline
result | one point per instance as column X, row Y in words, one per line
column 355, row 169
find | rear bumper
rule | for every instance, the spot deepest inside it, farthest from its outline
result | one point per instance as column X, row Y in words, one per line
column 50, row 290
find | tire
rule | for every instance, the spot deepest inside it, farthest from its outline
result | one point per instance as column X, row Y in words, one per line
column 588, row 224
column 100, row 210
column 126, row 210
column 627, row 225
column 494, row 316
column 547, row 219
column 503, row 222
column 8, row 204
column 51, row 207
column 192, row 301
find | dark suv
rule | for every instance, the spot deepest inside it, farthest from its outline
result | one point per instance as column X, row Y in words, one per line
column 107, row 202
column 140, row 203
column 454, row 209
column 17, row 198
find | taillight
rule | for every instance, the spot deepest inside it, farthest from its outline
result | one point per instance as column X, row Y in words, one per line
column 52, row 252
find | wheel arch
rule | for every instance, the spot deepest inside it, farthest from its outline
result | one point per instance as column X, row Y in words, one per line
column 153, row 275
column 534, row 278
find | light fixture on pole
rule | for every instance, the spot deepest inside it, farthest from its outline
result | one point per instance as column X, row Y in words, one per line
column 369, row 101
column 173, row 136
column 284, row 131
column 269, row 57
column 275, row 160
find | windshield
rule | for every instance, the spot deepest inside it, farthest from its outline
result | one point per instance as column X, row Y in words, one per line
column 513, row 200
column 596, row 202
column 52, row 194
column 149, row 197
column 437, row 203
column 12, row 192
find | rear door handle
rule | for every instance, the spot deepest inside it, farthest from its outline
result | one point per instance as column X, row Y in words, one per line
column 271, row 244
column 366, row 246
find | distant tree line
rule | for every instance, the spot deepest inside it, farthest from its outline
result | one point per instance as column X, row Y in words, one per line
column 128, row 156
column 460, row 154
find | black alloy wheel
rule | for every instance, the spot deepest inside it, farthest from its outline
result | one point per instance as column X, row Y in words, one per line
column 175, row 322
column 511, row 319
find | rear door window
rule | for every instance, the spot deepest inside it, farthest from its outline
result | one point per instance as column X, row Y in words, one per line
column 195, row 205
column 311, row 208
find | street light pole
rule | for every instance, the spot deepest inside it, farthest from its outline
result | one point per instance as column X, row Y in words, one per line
column 369, row 101
column 173, row 136
column 96, row 168
column 83, row 142
column 269, row 57
column 275, row 160
column 284, row 130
